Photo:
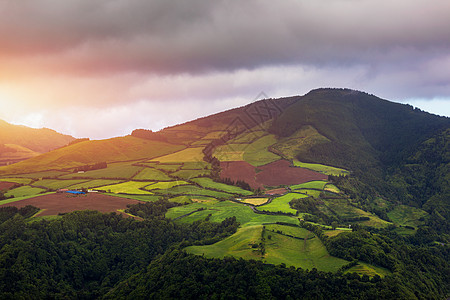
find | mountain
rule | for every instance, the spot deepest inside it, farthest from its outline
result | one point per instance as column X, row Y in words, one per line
column 20, row 142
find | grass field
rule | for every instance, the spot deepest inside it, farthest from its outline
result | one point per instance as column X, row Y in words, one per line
column 364, row 268
column 407, row 215
column 282, row 203
column 114, row 170
column 328, row 170
column 191, row 190
column 257, row 154
column 188, row 154
column 214, row 135
column 24, row 191
column 223, row 209
column 94, row 183
column 255, row 201
column 312, row 193
column 316, row 184
column 151, row 174
column 55, row 184
column 209, row 183
column 188, row 174
column 249, row 136
column 332, row 188
column 167, row 167
column 145, row 198
column 298, row 232
column 164, row 185
column 17, row 180
column 306, row 254
column 195, row 165
column 129, row 187
column 38, row 175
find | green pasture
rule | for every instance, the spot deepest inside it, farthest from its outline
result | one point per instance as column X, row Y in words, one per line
column 223, row 209
column 151, row 174
column 164, row 185
column 307, row 254
column 11, row 200
column 257, row 153
column 167, row 167
column 129, row 187
column 255, row 201
column 55, row 184
column 316, row 184
column 296, row 231
column 209, row 183
column 25, row 190
column 407, row 216
column 191, row 190
column 38, row 175
column 282, row 203
column 248, row 137
column 113, row 171
column 332, row 188
column 327, row 170
column 17, row 180
column 143, row 197
column 230, row 152
column 189, row 154
column 188, row 174
column 311, row 193
column 195, row 165
column 213, row 135
column 94, row 183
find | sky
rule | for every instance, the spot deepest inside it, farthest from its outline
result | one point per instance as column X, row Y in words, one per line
column 102, row 68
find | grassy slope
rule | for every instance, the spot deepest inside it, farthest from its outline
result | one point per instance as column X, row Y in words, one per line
column 115, row 170
column 151, row 174
column 188, row 154
column 129, row 187
column 112, row 150
column 282, row 203
column 406, row 215
column 24, row 191
column 209, row 183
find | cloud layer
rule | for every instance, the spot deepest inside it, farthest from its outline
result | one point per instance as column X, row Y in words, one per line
column 103, row 56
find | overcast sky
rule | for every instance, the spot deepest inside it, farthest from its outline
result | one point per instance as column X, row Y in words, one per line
column 102, row 68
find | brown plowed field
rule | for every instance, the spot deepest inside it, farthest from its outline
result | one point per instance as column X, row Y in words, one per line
column 64, row 203
column 5, row 185
column 239, row 170
column 280, row 172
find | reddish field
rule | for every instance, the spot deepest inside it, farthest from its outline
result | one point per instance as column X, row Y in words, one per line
column 63, row 203
column 5, row 185
column 280, row 191
column 280, row 172
column 239, row 170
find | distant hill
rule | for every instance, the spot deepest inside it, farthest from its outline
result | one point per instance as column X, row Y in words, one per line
column 19, row 142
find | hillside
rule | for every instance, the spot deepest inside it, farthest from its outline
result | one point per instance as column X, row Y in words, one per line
column 20, row 142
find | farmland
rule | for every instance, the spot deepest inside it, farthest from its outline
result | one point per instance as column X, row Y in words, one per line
column 185, row 155
column 328, row 170
column 281, row 204
column 94, row 183
column 113, row 171
column 151, row 174
column 407, row 215
column 188, row 174
column 191, row 190
column 55, row 184
column 129, row 187
column 255, row 201
column 165, row 185
column 209, row 183
column 53, row 204
column 24, row 191
column 319, row 185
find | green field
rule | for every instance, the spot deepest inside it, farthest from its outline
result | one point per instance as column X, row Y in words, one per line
column 188, row 154
column 223, row 209
column 188, row 174
column 364, row 268
column 191, row 190
column 327, row 170
column 94, row 183
column 195, row 165
column 407, row 215
column 307, row 254
column 24, row 191
column 17, row 180
column 282, row 203
column 332, row 188
column 38, row 175
column 296, row 231
column 164, row 185
column 129, row 187
column 55, row 184
column 257, row 154
column 316, row 184
column 209, row 183
column 151, row 174
column 311, row 193
column 213, row 135
column 167, row 167
column 255, row 201
column 113, row 171
column 249, row 136
column 146, row 198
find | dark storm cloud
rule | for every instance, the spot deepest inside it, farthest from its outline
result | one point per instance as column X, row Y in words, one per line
column 198, row 36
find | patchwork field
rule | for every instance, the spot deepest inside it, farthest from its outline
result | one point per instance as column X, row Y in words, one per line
column 189, row 174
column 319, row 185
column 239, row 170
column 151, row 174
column 255, row 201
column 55, row 184
column 94, row 183
column 185, row 155
column 53, row 204
column 129, row 187
column 17, row 180
column 327, row 170
column 192, row 190
column 281, row 204
column 221, row 210
column 24, row 191
column 164, row 185
column 281, row 173
column 113, row 171
column 209, row 183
